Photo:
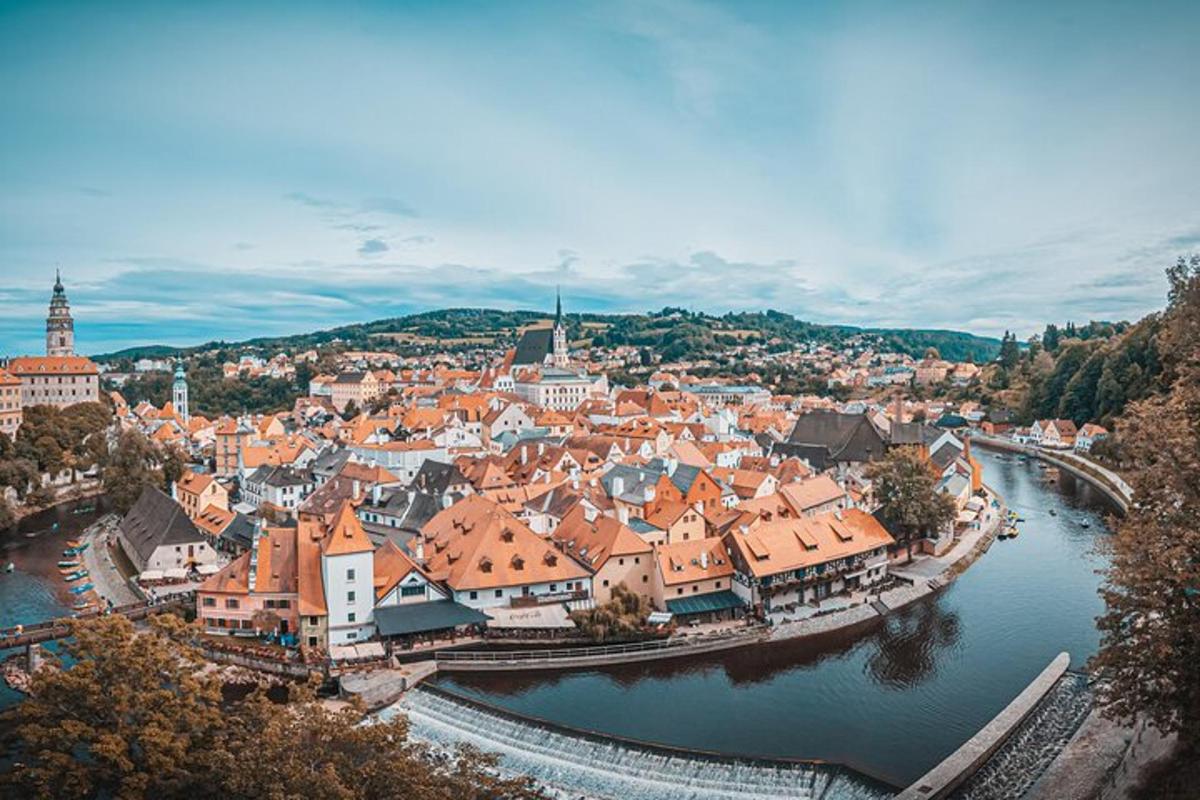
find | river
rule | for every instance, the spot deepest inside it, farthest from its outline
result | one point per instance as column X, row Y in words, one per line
column 35, row 591
column 892, row 697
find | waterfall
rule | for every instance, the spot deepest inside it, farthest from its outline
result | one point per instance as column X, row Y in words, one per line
column 576, row 764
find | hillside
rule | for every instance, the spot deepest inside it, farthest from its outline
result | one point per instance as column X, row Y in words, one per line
column 675, row 333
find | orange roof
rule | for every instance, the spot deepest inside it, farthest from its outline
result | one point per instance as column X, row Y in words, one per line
column 392, row 565
column 8, row 380
column 62, row 365
column 309, row 535
column 476, row 544
column 682, row 562
column 194, row 482
column 788, row 544
column 212, row 520
column 346, row 534
column 595, row 541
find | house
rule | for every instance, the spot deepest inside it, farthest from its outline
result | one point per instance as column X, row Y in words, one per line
column 10, row 404
column 1088, row 435
column 157, row 535
column 798, row 560
column 694, row 580
column 257, row 592
column 1055, row 433
column 196, row 491
column 277, row 491
column 613, row 553
column 357, row 388
column 487, row 558
column 58, row 381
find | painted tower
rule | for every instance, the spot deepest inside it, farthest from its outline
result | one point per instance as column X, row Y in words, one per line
column 559, row 357
column 179, row 393
column 60, row 328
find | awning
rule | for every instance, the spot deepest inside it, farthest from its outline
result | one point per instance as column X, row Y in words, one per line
column 705, row 603
column 542, row 617
column 966, row 516
column 175, row 573
column 437, row 615
column 151, row 575
column 207, row 569
column 659, row 618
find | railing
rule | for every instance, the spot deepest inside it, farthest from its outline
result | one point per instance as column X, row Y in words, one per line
column 49, row 630
column 580, row 653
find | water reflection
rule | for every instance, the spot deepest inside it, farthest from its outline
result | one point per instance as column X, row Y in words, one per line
column 895, row 694
column 911, row 644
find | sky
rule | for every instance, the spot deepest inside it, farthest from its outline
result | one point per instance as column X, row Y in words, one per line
column 219, row 171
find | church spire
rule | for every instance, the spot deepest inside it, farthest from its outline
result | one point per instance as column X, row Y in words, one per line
column 557, row 306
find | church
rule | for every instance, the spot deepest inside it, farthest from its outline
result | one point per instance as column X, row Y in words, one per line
column 60, row 378
column 547, row 347
column 542, row 372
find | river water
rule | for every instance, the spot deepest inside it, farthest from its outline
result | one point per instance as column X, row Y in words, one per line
column 892, row 697
column 35, row 591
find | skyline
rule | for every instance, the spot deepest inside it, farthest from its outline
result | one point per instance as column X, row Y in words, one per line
column 226, row 173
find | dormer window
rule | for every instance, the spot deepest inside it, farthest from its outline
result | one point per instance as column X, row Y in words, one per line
column 518, row 563
column 485, row 565
column 506, row 535
column 551, row 559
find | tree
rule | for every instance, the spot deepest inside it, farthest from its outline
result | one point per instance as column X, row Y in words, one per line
column 7, row 517
column 1051, row 338
column 173, row 465
column 134, row 715
column 1150, row 631
column 905, row 485
column 1010, row 354
column 624, row 615
column 129, row 470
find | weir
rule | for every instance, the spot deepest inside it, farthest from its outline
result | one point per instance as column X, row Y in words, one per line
column 575, row 762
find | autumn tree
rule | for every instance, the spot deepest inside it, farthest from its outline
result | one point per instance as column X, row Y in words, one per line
column 135, row 715
column 905, row 485
column 624, row 615
column 1150, row 645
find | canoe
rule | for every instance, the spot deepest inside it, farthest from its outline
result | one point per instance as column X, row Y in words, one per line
column 68, row 564
column 87, row 587
column 77, row 576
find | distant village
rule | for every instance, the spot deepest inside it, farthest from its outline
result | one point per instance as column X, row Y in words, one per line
column 417, row 500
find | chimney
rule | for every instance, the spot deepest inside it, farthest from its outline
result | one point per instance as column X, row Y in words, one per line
column 447, row 500
column 420, row 551
column 355, row 486
column 703, row 559
column 541, row 448
column 618, row 486
column 524, row 455
column 376, row 493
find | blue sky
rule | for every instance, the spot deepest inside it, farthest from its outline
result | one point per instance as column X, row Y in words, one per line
column 220, row 170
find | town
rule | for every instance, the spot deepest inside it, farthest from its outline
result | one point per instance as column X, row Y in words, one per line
column 413, row 502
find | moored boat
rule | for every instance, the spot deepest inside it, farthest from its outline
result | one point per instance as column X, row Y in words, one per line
column 69, row 564
column 76, row 576
column 87, row 587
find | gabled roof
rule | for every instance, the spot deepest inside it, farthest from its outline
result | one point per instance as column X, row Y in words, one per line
column 156, row 520
column 594, row 541
column 476, row 544
column 787, row 544
column 346, row 534
column 534, row 346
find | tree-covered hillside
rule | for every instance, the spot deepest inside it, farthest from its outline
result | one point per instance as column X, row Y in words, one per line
column 673, row 332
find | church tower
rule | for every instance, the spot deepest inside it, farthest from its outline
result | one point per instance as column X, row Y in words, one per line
column 60, row 328
column 559, row 357
column 179, row 393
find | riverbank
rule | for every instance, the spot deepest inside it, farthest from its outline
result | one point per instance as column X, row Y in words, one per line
column 87, row 489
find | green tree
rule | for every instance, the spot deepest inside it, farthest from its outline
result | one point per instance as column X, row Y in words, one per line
column 1150, row 631
column 129, row 470
column 905, row 485
column 1010, row 353
column 173, row 465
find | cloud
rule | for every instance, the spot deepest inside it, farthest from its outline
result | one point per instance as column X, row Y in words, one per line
column 388, row 205
column 309, row 200
column 373, row 247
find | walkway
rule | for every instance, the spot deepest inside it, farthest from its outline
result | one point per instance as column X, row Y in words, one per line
column 110, row 584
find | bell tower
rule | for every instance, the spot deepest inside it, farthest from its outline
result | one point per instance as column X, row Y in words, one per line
column 179, row 393
column 559, row 356
column 60, row 328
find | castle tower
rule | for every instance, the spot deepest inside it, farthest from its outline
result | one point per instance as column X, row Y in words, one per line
column 559, row 358
column 60, row 328
column 179, row 393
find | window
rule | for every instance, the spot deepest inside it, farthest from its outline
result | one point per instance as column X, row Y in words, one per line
column 351, row 617
column 474, row 595
column 606, row 582
column 411, row 591
column 645, row 579
column 312, row 641
column 621, row 562
column 352, row 635
column 209, row 602
column 349, row 576
column 680, row 590
column 718, row 584
column 231, row 602
column 312, row 621
column 350, row 597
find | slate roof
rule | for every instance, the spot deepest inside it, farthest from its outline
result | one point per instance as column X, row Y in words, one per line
column 436, row 477
column 157, row 520
column 421, row 617
column 239, row 532
column 534, row 346
column 825, row 438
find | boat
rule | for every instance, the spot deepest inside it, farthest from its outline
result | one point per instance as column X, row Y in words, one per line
column 74, row 551
column 69, row 564
column 73, row 543
column 9, row 567
column 1053, row 513
column 1083, row 523
column 76, row 576
column 84, row 510
column 82, row 604
column 87, row 587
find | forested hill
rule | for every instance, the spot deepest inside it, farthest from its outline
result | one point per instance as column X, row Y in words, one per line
column 676, row 333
